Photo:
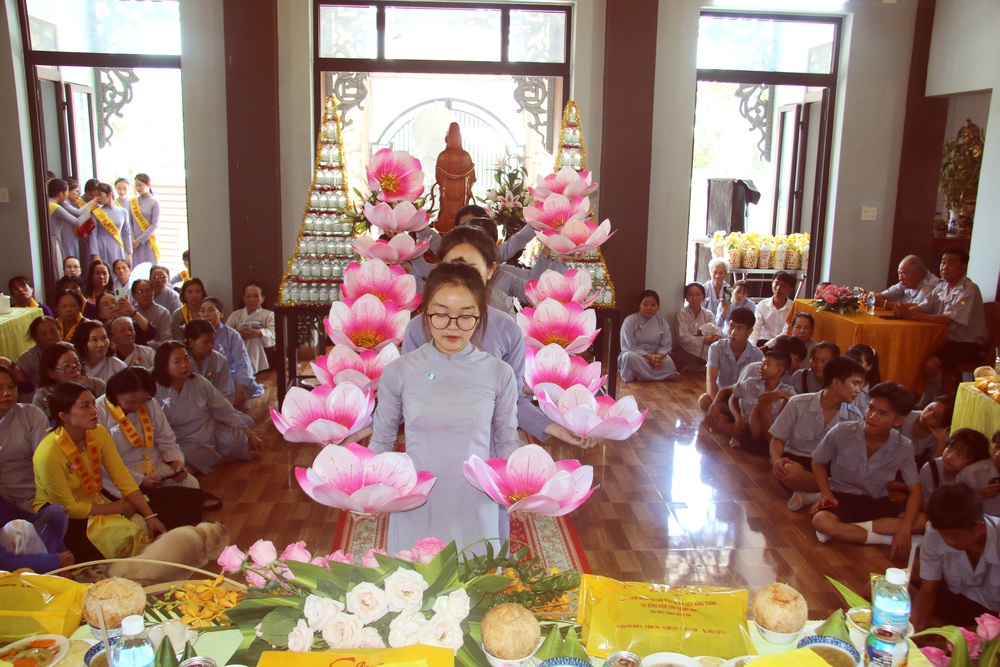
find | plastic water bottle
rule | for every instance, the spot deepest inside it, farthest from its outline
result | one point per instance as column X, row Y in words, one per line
column 870, row 302
column 134, row 648
column 891, row 601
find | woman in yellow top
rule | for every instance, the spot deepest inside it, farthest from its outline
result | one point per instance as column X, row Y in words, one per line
column 68, row 467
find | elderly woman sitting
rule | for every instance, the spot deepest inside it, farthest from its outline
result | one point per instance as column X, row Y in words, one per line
column 646, row 343
column 717, row 290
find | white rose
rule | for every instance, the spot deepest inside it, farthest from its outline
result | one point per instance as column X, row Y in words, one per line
column 342, row 631
column 301, row 637
column 370, row 638
column 405, row 590
column 319, row 610
column 456, row 605
column 442, row 631
column 404, row 628
column 368, row 602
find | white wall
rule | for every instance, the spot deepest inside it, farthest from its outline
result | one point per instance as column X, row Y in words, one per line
column 867, row 140
column 203, row 85
column 964, row 56
column 19, row 251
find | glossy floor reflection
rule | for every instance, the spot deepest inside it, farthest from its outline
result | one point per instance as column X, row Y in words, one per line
column 676, row 505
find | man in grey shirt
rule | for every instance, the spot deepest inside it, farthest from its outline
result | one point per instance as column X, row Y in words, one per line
column 914, row 286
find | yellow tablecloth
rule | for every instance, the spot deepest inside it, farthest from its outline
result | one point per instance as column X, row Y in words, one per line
column 975, row 410
column 902, row 345
column 14, row 340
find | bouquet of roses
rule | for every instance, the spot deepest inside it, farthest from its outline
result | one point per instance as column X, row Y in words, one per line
column 836, row 299
column 301, row 602
column 967, row 648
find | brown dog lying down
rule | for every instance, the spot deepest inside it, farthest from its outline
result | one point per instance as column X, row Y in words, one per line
column 186, row 545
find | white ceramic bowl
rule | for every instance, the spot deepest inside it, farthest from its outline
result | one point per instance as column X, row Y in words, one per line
column 667, row 658
column 740, row 661
column 777, row 638
column 500, row 662
column 831, row 643
column 858, row 632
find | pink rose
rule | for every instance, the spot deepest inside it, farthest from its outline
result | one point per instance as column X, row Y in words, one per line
column 972, row 641
column 262, row 553
column 340, row 557
column 255, row 579
column 427, row 548
column 369, row 560
column 935, row 656
column 829, row 298
column 406, row 555
column 319, row 561
column 231, row 559
column 988, row 626
column 296, row 551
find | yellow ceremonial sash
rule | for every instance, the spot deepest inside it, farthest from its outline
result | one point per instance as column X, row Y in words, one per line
column 67, row 335
column 88, row 471
column 80, row 203
column 144, row 225
column 186, row 313
column 33, row 303
column 109, row 226
column 184, row 274
column 52, row 207
column 145, row 441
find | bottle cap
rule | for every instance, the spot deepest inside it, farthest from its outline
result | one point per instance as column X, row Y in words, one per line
column 133, row 625
column 896, row 577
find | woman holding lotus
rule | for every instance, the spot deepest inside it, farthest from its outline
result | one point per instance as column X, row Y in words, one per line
column 455, row 401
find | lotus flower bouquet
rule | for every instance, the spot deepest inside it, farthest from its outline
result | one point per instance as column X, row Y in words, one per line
column 355, row 479
column 430, row 595
column 562, row 216
column 530, row 481
column 589, row 416
column 395, row 206
column 568, row 325
column 573, row 286
column 836, row 299
column 505, row 201
column 325, row 415
column 552, row 366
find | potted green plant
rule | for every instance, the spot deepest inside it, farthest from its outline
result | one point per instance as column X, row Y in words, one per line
column 961, row 162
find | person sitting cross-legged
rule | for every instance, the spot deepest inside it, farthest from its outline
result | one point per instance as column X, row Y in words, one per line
column 646, row 344
column 756, row 403
column 726, row 358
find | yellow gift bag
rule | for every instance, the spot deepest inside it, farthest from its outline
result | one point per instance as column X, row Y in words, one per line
column 32, row 604
column 647, row 618
column 417, row 655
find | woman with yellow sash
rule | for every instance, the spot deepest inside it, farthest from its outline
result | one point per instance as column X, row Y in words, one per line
column 148, row 447
column 113, row 235
column 98, row 280
column 192, row 294
column 60, row 364
column 69, row 465
column 69, row 309
column 145, row 210
column 63, row 223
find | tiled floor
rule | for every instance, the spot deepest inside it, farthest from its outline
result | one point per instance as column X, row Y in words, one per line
column 676, row 505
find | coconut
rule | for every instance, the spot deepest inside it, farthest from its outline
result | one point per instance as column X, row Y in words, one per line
column 117, row 598
column 984, row 372
column 780, row 608
column 510, row 632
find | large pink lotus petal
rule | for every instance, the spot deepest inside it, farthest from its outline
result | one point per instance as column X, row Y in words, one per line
column 401, row 248
column 536, row 504
column 527, row 470
column 323, row 493
column 576, row 236
column 368, row 323
column 325, row 415
column 374, row 497
column 567, row 182
column 552, row 365
column 388, row 283
column 614, row 428
column 567, row 325
column 588, row 416
column 556, row 211
column 574, row 285
column 404, row 503
column 393, row 469
column 483, row 477
column 339, row 466
column 395, row 176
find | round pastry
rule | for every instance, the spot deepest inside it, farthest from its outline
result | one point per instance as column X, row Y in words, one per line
column 117, row 599
column 780, row 608
column 510, row 632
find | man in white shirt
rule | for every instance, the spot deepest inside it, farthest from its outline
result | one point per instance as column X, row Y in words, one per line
column 772, row 314
column 957, row 302
column 914, row 286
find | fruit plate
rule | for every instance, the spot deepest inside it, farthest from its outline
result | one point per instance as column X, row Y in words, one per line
column 44, row 649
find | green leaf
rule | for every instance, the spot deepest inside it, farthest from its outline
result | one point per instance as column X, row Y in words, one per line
column 835, row 626
column 189, row 652
column 552, row 646
column 959, row 651
column 990, row 655
column 165, row 656
column 572, row 647
column 277, row 625
column 471, row 654
column 850, row 597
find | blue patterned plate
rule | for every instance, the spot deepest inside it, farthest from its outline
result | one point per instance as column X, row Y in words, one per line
column 565, row 662
column 833, row 642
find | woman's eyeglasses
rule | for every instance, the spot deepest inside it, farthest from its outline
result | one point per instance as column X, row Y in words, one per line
column 464, row 322
column 69, row 368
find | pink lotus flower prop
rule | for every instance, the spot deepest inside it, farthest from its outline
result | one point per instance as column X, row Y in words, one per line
column 387, row 283
column 405, row 217
column 400, row 248
column 567, row 325
column 362, row 369
column 574, row 285
column 567, row 182
column 355, row 479
column 553, row 366
column 591, row 416
column 556, row 211
column 576, row 236
column 367, row 324
column 530, row 481
column 396, row 176
column 325, row 415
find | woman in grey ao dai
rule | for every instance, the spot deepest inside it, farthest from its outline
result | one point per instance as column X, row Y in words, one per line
column 646, row 343
column 455, row 401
